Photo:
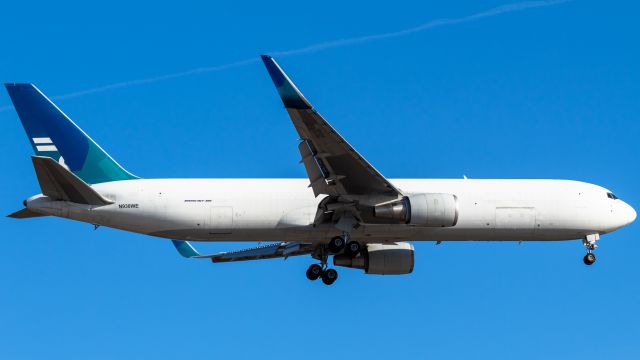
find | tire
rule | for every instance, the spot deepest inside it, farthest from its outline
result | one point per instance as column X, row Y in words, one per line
column 314, row 272
column 329, row 276
column 589, row 259
column 353, row 248
column 336, row 244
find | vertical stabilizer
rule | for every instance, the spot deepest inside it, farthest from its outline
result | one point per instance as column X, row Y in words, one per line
column 52, row 134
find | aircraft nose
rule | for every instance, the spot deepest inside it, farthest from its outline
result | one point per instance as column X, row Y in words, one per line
column 628, row 214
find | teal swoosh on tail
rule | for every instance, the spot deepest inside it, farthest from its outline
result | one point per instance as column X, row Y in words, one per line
column 53, row 134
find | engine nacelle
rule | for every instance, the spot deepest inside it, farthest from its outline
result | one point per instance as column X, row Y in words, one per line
column 430, row 209
column 382, row 259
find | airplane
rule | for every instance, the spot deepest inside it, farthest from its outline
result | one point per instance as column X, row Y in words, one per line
column 345, row 209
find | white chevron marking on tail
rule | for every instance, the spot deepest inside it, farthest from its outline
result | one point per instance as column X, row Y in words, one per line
column 42, row 140
column 46, row 148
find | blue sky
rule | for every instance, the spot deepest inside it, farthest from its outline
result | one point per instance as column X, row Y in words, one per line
column 548, row 92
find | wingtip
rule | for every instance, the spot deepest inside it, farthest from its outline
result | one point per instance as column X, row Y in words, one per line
column 289, row 93
column 269, row 63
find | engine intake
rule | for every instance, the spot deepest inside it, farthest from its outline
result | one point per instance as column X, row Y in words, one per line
column 430, row 209
column 381, row 259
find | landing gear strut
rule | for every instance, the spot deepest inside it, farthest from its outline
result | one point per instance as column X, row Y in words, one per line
column 589, row 243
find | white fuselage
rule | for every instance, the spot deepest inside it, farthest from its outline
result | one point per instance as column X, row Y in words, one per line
column 284, row 210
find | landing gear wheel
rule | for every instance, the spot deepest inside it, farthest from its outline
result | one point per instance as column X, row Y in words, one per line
column 353, row 248
column 336, row 244
column 589, row 259
column 314, row 272
column 329, row 276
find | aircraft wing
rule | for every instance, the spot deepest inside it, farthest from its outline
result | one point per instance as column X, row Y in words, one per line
column 269, row 251
column 334, row 167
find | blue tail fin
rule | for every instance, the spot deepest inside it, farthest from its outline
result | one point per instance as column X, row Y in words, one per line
column 53, row 134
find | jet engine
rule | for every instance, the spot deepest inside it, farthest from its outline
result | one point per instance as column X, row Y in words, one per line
column 430, row 209
column 382, row 259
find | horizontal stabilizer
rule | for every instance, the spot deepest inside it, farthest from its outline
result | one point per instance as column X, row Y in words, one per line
column 270, row 251
column 24, row 214
column 59, row 183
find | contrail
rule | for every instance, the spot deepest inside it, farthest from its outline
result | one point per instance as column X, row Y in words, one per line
column 499, row 10
column 156, row 79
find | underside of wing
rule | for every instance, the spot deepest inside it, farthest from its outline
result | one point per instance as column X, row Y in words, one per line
column 269, row 251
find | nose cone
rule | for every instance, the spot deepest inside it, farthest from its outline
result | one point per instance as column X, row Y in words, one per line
column 628, row 214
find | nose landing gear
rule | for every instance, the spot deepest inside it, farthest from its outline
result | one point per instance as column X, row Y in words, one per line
column 589, row 243
column 589, row 259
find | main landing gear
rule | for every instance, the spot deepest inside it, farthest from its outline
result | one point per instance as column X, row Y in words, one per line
column 589, row 243
column 340, row 243
column 315, row 271
column 336, row 245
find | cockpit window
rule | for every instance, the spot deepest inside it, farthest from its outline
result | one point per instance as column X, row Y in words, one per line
column 612, row 196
